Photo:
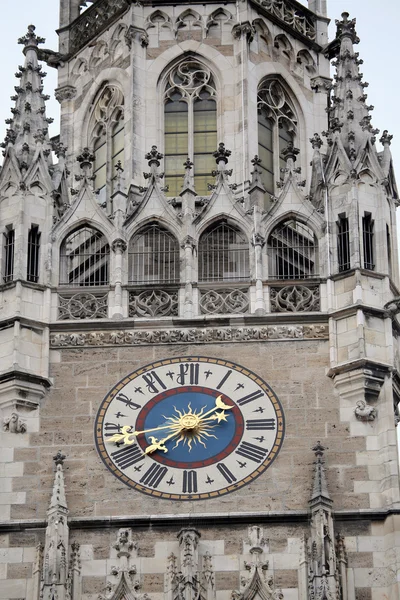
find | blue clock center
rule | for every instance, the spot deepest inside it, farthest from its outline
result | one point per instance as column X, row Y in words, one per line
column 199, row 433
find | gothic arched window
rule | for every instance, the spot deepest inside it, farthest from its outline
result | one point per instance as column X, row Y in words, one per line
column 84, row 258
column 292, row 250
column 107, row 139
column 190, row 124
column 223, row 254
column 276, row 128
column 153, row 256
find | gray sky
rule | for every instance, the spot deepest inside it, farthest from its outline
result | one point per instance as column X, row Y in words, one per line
column 377, row 26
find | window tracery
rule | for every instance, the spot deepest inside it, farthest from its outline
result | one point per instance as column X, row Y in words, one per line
column 107, row 134
column 277, row 126
column 190, row 124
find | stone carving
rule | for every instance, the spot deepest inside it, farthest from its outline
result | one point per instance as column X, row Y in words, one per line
column 93, row 21
column 300, row 20
column 153, row 303
column 224, row 302
column 14, row 424
column 83, row 305
column 364, row 412
column 66, row 92
column 122, row 582
column 273, row 101
column 189, row 79
column 188, row 336
column 295, row 298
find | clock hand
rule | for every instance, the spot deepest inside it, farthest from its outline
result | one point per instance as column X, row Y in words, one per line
column 159, row 445
column 126, row 433
column 219, row 405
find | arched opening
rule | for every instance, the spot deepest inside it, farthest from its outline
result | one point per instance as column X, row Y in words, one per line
column 153, row 256
column 190, row 124
column 223, row 254
column 84, row 258
column 292, row 250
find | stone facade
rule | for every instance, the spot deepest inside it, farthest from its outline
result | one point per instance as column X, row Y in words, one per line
column 303, row 291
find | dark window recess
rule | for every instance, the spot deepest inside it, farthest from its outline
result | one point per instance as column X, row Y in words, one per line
column 343, row 243
column 32, row 273
column 368, row 240
column 292, row 251
column 389, row 250
column 9, row 243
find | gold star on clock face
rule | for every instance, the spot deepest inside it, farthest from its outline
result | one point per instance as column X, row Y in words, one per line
column 189, row 428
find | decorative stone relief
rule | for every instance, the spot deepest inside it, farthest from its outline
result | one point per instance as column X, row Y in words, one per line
column 289, row 13
column 224, row 301
column 364, row 412
column 83, row 305
column 153, row 303
column 93, row 21
column 14, row 424
column 188, row 336
column 295, row 298
column 122, row 582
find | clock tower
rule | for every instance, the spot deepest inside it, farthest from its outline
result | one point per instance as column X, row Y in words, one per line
column 199, row 382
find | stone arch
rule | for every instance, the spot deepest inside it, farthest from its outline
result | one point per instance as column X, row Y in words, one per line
column 190, row 20
column 99, row 54
column 264, row 36
column 158, row 18
column 118, row 44
column 305, row 59
column 218, row 18
column 284, row 46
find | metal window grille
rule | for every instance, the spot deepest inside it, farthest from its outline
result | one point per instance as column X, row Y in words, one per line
column 84, row 258
column 223, row 254
column 368, row 240
column 343, row 243
column 292, row 251
column 154, row 257
column 32, row 273
column 9, row 244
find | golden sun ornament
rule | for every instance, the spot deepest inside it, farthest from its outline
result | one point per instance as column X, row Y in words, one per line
column 191, row 426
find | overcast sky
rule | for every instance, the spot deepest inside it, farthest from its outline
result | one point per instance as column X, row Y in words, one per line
column 377, row 27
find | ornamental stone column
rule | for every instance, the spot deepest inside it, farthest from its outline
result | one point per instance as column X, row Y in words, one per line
column 118, row 246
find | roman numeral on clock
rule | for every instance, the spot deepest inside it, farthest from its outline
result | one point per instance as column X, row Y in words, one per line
column 225, row 377
column 230, row 478
column 252, row 452
column 154, row 475
column 189, row 482
column 127, row 456
column 252, row 424
column 152, row 380
column 250, row 397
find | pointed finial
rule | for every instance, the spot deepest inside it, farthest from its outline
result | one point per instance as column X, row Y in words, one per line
column 59, row 458
column 221, row 154
column 318, row 450
column 86, row 158
column 154, row 156
column 346, row 28
column 386, row 139
column 30, row 39
column 316, row 141
column 290, row 152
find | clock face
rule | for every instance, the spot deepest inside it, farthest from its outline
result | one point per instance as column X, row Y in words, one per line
column 189, row 428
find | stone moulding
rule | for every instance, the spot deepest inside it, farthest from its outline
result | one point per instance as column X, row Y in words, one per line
column 188, row 336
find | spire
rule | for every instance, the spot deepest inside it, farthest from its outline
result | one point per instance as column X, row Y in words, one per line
column 28, row 127
column 320, row 488
column 58, row 500
column 349, row 113
column 55, row 563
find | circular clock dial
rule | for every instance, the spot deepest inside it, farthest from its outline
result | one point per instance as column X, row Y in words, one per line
column 189, row 428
